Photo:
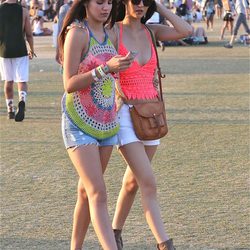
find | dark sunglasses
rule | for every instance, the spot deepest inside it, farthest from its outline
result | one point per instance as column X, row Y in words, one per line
column 146, row 3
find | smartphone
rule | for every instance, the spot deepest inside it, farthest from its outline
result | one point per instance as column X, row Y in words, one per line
column 132, row 53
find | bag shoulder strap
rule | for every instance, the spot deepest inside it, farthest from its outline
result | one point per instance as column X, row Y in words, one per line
column 160, row 75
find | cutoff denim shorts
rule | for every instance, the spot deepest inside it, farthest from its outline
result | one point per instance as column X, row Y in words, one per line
column 73, row 137
column 126, row 133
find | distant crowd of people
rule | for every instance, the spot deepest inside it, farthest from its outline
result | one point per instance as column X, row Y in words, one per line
column 204, row 11
column 192, row 11
column 38, row 12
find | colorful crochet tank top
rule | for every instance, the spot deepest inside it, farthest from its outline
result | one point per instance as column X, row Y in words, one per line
column 93, row 109
column 137, row 81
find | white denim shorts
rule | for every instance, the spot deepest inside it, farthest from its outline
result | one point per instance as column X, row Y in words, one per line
column 14, row 69
column 126, row 133
column 73, row 137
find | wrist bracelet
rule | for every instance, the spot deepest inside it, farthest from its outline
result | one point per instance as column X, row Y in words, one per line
column 105, row 68
column 93, row 73
column 100, row 71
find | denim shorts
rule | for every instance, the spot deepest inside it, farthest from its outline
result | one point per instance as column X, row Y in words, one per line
column 73, row 137
column 126, row 133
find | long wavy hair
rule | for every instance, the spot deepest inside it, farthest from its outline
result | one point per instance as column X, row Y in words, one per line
column 78, row 12
column 121, row 10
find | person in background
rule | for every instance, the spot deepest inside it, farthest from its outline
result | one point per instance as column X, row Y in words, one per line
column 57, row 7
column 14, row 56
column 89, row 117
column 241, row 9
column 199, row 36
column 189, row 14
column 219, row 8
column 175, row 5
column 210, row 11
column 62, row 13
column 197, row 13
column 38, row 25
column 47, row 9
column 35, row 5
column 228, row 20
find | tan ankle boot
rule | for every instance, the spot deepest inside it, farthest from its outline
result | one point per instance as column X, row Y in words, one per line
column 118, row 238
column 166, row 245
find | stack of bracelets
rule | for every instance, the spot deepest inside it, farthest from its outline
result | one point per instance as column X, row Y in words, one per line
column 102, row 70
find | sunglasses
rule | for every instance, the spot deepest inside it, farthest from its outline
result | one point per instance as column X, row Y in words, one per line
column 146, row 3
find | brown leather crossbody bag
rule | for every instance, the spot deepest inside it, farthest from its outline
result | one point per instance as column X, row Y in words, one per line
column 149, row 118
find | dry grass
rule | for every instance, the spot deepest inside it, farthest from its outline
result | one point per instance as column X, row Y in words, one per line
column 202, row 166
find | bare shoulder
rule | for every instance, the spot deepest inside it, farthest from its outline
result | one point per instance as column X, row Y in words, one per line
column 77, row 25
column 77, row 31
column 77, row 35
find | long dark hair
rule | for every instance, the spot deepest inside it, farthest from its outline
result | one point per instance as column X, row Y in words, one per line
column 78, row 12
column 121, row 10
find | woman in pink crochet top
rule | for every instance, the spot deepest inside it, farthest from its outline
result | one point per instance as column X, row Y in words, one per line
column 136, row 83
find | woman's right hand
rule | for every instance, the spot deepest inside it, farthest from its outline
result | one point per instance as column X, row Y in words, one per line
column 119, row 63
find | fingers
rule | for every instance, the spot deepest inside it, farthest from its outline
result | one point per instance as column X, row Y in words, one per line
column 125, row 64
column 31, row 54
column 119, row 63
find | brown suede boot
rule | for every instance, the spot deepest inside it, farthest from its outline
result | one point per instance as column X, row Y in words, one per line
column 166, row 245
column 118, row 238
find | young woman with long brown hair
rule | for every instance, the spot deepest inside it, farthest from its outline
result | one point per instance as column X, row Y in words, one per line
column 89, row 121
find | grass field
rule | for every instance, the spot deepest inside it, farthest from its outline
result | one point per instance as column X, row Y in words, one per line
column 202, row 166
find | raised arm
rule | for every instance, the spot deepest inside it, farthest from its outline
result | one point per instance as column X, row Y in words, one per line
column 179, row 30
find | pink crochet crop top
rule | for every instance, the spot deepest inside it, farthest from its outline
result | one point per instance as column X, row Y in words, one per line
column 137, row 81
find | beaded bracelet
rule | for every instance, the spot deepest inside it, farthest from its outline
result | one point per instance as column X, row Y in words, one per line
column 93, row 73
column 100, row 71
column 105, row 68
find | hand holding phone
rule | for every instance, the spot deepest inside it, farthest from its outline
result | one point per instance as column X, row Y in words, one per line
column 132, row 54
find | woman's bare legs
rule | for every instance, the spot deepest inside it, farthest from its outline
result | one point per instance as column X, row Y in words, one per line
column 136, row 157
column 231, row 25
column 91, row 174
column 210, row 20
column 81, row 214
column 225, row 25
column 128, row 192
column 81, row 218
